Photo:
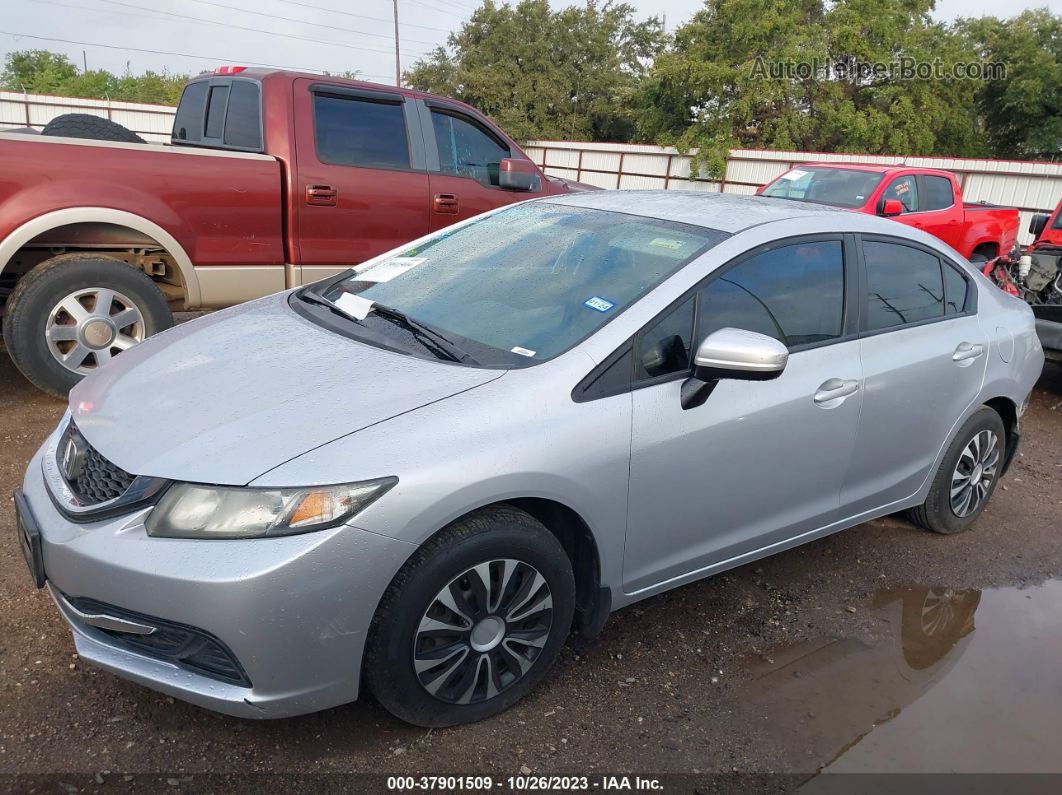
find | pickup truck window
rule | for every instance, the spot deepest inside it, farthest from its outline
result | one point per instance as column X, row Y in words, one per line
column 187, row 124
column 466, row 150
column 904, row 285
column 242, row 126
column 219, row 96
column 906, row 190
column 839, row 187
column 360, row 132
column 938, row 194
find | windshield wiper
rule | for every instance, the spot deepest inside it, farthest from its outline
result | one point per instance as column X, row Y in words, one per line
column 427, row 335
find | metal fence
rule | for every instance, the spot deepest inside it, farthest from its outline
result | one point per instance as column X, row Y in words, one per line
column 1032, row 187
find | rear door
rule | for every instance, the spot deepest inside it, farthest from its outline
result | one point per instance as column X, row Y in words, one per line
column 924, row 354
column 464, row 156
column 362, row 179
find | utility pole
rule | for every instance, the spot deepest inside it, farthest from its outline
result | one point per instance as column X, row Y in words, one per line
column 398, row 59
column 84, row 60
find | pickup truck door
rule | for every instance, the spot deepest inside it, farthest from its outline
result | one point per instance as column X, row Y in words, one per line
column 361, row 186
column 463, row 156
column 929, row 203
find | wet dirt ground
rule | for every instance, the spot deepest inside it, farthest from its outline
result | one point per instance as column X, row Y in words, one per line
column 882, row 648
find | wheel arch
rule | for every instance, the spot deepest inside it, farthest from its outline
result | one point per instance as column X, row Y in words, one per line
column 34, row 228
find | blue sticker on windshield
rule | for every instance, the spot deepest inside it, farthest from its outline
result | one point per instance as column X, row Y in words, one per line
column 598, row 303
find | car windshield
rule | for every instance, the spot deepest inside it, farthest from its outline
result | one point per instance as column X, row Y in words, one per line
column 521, row 285
column 839, row 187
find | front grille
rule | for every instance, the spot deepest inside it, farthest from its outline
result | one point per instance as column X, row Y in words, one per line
column 96, row 479
column 186, row 647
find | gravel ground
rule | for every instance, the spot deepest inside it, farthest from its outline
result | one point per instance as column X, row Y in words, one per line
column 669, row 687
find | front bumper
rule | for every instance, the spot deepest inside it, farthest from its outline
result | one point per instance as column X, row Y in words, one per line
column 293, row 611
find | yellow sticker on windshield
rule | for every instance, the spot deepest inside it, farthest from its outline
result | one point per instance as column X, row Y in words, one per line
column 664, row 242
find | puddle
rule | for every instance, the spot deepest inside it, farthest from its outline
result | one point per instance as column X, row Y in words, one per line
column 939, row 680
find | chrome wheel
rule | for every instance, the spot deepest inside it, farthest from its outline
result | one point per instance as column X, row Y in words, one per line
column 483, row 631
column 974, row 473
column 88, row 327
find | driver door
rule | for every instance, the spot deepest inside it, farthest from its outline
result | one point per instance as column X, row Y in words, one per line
column 760, row 462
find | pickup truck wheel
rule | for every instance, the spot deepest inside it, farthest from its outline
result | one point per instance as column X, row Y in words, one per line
column 85, row 125
column 73, row 313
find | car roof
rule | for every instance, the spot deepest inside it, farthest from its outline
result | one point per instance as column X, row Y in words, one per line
column 727, row 212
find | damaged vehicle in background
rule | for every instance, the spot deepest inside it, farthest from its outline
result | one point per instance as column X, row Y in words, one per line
column 422, row 474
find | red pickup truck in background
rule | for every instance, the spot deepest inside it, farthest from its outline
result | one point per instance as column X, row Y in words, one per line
column 924, row 198
column 273, row 179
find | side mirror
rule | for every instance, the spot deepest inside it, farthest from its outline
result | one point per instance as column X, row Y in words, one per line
column 732, row 353
column 514, row 174
column 1037, row 224
column 891, row 207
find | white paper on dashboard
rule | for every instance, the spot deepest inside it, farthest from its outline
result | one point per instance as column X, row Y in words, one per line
column 796, row 173
column 354, row 305
column 389, row 269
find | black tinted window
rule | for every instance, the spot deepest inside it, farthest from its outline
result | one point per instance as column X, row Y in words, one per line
column 355, row 132
column 904, row 285
column 938, row 194
column 188, row 123
column 242, row 126
column 664, row 347
column 906, row 190
column 216, row 110
column 955, row 287
column 465, row 150
column 794, row 293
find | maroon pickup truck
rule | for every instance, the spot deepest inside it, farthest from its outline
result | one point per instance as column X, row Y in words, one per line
column 273, row 179
column 925, row 198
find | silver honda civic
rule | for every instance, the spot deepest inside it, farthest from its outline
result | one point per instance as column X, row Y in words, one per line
column 421, row 475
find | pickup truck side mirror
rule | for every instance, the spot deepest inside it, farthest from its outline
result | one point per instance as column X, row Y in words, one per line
column 514, row 174
column 1037, row 224
column 732, row 353
column 891, row 207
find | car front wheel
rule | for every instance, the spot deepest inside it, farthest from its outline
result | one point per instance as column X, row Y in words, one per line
column 472, row 622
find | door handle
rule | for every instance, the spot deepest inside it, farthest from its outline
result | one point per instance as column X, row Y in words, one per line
column 445, row 203
column 967, row 352
column 322, row 195
column 835, row 390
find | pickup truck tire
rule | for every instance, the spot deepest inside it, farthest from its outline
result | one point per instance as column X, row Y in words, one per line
column 57, row 331
column 85, row 125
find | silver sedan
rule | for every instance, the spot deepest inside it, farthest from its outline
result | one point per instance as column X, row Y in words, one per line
column 422, row 474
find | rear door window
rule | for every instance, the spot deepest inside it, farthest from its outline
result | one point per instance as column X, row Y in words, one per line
column 904, row 285
column 360, row 132
column 938, row 194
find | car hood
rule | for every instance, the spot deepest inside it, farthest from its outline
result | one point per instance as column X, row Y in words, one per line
column 226, row 398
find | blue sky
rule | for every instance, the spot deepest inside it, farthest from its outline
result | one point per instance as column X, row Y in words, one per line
column 351, row 35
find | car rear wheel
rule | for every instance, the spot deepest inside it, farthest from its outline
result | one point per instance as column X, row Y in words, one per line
column 967, row 475
column 472, row 622
column 73, row 313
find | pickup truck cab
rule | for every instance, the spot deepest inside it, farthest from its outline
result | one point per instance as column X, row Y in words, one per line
column 925, row 198
column 272, row 179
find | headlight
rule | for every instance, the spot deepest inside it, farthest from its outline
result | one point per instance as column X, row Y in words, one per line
column 189, row 510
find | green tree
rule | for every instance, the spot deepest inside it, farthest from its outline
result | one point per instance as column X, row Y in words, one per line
column 568, row 74
column 1022, row 110
column 716, row 88
column 43, row 72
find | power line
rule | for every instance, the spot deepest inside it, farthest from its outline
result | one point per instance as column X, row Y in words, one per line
column 214, row 58
column 300, row 21
column 244, row 27
column 361, row 16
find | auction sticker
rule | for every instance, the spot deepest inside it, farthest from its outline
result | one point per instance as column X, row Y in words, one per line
column 389, row 269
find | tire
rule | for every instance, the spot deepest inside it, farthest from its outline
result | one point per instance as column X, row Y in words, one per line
column 496, row 540
column 35, row 321
column 85, row 125
column 939, row 513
